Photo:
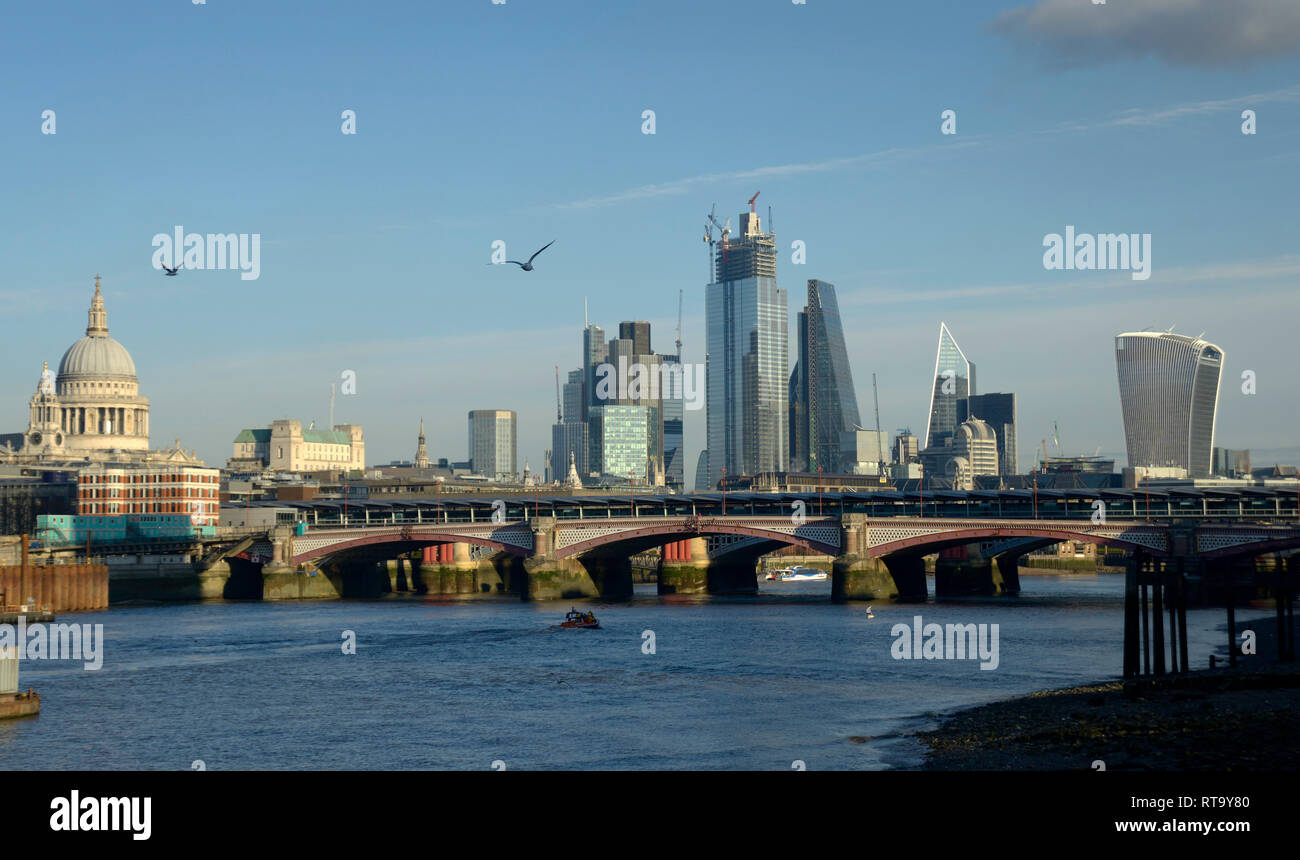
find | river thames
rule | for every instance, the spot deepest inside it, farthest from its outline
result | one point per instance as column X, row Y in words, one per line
column 755, row 683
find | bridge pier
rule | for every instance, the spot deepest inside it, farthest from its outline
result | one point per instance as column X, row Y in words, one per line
column 908, row 571
column 285, row 583
column 963, row 572
column 736, row 575
column 1006, row 573
column 684, row 567
column 857, row 576
column 558, row 579
column 447, row 569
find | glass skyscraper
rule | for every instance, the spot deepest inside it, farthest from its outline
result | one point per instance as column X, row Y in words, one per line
column 1169, row 393
column 673, row 398
column 823, row 403
column 492, row 443
column 954, row 380
column 747, row 399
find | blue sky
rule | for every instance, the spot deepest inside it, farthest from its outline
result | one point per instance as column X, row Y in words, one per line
column 522, row 122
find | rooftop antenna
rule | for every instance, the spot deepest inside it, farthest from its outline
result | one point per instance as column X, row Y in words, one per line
column 559, row 415
column 680, row 294
column 880, row 453
column 771, row 228
column 585, row 323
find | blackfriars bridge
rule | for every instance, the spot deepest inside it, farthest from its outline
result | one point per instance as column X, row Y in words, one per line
column 541, row 548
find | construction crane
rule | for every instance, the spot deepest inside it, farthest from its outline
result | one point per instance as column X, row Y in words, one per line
column 559, row 413
column 880, row 452
column 723, row 229
column 680, row 294
column 751, row 201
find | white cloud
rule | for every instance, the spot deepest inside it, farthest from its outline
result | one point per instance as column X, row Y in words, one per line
column 1178, row 32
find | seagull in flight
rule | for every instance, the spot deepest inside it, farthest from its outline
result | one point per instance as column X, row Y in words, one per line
column 528, row 267
column 172, row 271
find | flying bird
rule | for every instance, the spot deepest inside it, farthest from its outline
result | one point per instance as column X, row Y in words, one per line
column 172, row 271
column 528, row 267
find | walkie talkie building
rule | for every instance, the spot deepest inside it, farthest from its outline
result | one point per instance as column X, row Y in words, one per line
column 1169, row 393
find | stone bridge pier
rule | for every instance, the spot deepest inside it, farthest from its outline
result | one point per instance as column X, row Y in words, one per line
column 857, row 576
column 550, row 576
column 449, row 568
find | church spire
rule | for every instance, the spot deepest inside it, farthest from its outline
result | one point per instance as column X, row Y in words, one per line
column 421, row 454
column 98, row 324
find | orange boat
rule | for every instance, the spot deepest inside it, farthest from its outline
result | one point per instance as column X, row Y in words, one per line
column 581, row 620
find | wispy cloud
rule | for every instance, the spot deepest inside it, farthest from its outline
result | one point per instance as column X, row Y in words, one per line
column 682, row 186
column 1139, row 117
column 1178, row 32
column 1283, row 271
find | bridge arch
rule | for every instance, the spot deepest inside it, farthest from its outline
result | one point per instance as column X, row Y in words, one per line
column 411, row 539
column 634, row 540
column 936, row 541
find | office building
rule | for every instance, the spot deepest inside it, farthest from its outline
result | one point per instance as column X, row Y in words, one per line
column 999, row 411
column 823, row 404
column 1169, row 392
column 493, row 444
column 747, row 400
column 954, row 380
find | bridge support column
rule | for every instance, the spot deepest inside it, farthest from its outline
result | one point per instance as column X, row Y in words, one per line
column 280, row 581
column 908, row 572
column 212, row 580
column 858, row 577
column 688, row 574
column 558, row 579
column 855, row 575
column 963, row 572
column 738, row 575
column 1006, row 574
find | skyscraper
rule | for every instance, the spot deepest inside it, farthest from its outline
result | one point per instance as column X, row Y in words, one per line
column 569, row 432
column 954, row 379
column 673, row 397
column 492, row 443
column 747, row 399
column 823, row 404
column 1169, row 392
column 999, row 411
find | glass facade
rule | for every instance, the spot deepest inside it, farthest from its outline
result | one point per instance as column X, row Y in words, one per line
column 747, row 399
column 954, row 380
column 673, row 397
column 569, row 438
column 625, row 438
column 1169, row 391
column 824, row 404
column 492, row 443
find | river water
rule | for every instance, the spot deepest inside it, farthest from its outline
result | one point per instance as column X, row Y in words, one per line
column 734, row 683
